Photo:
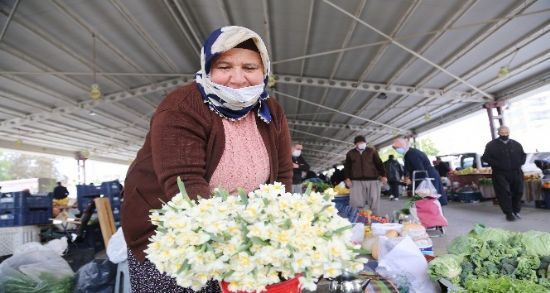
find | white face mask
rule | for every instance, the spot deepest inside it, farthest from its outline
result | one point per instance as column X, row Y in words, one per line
column 362, row 145
column 240, row 98
column 296, row 153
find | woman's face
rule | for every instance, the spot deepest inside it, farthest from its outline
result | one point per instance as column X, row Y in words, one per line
column 237, row 68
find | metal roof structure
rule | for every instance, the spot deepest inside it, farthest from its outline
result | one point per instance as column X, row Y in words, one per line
column 380, row 68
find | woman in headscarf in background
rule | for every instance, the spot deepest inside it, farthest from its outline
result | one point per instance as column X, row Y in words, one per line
column 416, row 160
column 223, row 130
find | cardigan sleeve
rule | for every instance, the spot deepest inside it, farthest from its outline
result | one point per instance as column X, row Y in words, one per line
column 178, row 142
column 285, row 169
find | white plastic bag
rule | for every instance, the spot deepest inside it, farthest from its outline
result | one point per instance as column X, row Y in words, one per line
column 116, row 249
column 358, row 233
column 402, row 262
column 58, row 246
column 426, row 189
column 36, row 271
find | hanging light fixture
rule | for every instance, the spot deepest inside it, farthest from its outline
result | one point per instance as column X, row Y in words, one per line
column 504, row 70
column 95, row 90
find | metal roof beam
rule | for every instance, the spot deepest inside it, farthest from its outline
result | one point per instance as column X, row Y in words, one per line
column 90, row 104
column 534, row 35
column 306, row 45
column 353, row 127
column 55, row 151
column 181, row 28
column 8, row 21
column 127, row 15
column 358, row 11
column 81, row 22
column 322, row 144
column 440, row 68
column 377, row 87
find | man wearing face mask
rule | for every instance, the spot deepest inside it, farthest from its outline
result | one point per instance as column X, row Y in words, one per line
column 416, row 160
column 506, row 156
column 300, row 165
column 363, row 171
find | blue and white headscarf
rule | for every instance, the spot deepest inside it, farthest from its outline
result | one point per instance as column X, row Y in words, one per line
column 219, row 41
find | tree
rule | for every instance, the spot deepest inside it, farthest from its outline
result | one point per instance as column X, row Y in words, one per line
column 4, row 168
column 22, row 166
column 386, row 152
column 427, row 146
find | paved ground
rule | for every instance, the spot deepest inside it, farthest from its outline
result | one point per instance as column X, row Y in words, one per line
column 462, row 216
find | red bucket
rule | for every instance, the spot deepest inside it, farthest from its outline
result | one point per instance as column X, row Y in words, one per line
column 288, row 286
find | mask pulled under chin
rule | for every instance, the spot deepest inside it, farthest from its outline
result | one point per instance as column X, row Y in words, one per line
column 238, row 98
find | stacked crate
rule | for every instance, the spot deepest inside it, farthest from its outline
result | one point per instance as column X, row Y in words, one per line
column 22, row 208
column 85, row 194
column 111, row 190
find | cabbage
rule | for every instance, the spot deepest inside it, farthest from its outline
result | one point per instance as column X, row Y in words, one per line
column 462, row 245
column 447, row 266
column 536, row 243
column 499, row 235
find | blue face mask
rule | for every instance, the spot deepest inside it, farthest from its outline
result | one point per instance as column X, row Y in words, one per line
column 401, row 151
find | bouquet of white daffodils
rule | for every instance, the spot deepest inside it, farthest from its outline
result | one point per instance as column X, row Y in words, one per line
column 252, row 240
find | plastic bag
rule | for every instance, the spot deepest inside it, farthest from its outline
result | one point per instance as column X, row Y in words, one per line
column 58, row 246
column 426, row 189
column 117, row 250
column 402, row 262
column 357, row 233
column 429, row 213
column 37, row 271
column 97, row 276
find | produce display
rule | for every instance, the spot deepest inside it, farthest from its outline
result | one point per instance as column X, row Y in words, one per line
column 485, row 181
column 472, row 170
column 496, row 260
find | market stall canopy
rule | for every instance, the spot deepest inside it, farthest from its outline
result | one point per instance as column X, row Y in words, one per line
column 341, row 68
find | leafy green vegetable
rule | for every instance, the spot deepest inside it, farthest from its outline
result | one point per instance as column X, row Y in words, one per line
column 48, row 283
column 462, row 245
column 502, row 285
column 536, row 243
column 447, row 266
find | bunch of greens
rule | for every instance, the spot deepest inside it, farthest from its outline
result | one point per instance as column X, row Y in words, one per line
column 502, row 284
column 495, row 256
column 47, row 283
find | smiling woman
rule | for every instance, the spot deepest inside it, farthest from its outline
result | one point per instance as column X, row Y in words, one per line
column 221, row 131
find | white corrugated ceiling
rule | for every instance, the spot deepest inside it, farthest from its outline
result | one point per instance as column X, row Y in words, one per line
column 375, row 67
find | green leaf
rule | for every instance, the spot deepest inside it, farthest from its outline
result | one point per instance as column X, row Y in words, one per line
column 184, row 267
column 181, row 186
column 214, row 236
column 308, row 189
column 259, row 241
column 342, row 229
column 266, row 201
column 243, row 196
column 287, row 224
column 227, row 274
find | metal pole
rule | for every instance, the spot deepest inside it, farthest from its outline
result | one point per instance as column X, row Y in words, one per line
column 5, row 28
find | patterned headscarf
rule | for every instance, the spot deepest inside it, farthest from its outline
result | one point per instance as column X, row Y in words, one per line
column 219, row 41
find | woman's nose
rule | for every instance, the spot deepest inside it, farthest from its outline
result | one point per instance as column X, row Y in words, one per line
column 238, row 79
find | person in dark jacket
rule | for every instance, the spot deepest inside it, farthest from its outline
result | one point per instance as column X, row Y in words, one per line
column 300, row 165
column 394, row 172
column 337, row 176
column 442, row 167
column 363, row 172
column 60, row 191
column 506, row 156
column 416, row 160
